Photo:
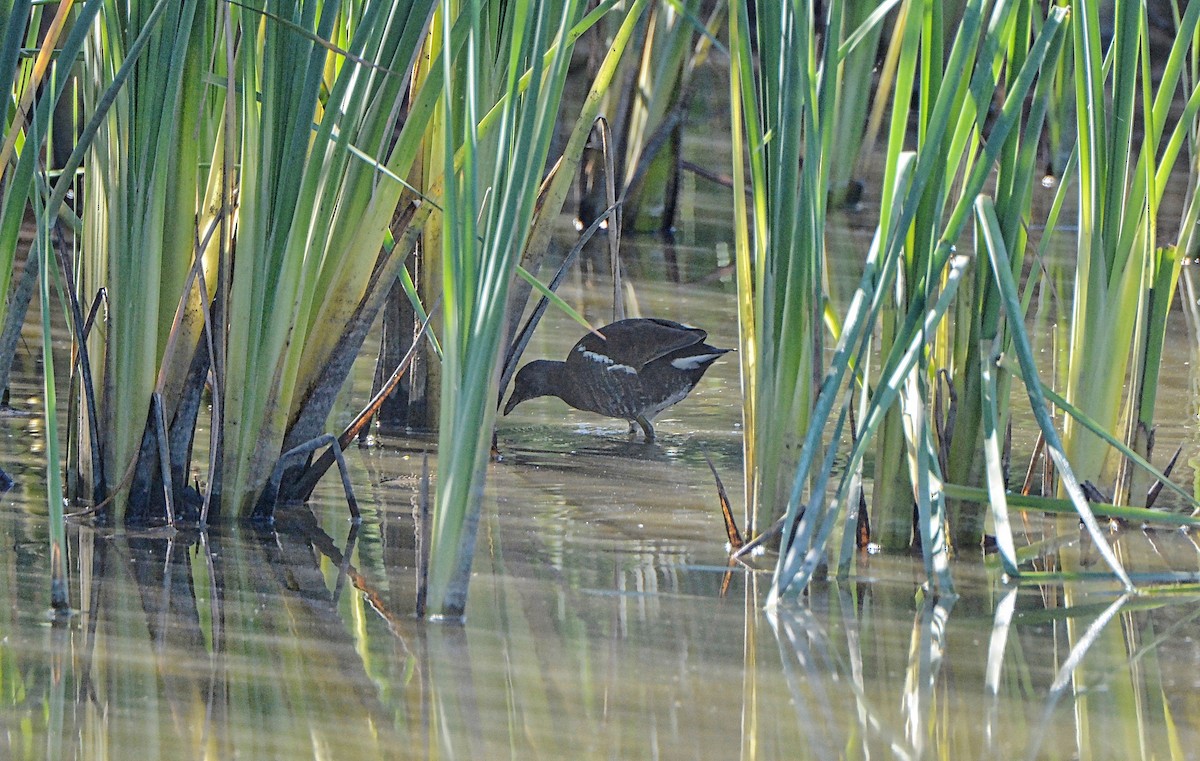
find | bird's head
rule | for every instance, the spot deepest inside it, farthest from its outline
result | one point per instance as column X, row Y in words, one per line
column 533, row 380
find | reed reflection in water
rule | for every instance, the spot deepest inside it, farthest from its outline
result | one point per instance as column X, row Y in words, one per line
column 595, row 633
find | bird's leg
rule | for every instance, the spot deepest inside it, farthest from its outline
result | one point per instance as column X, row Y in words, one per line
column 646, row 428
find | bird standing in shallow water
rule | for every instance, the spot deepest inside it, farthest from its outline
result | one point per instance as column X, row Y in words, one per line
column 641, row 367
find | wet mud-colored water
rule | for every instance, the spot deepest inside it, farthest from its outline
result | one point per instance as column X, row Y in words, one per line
column 603, row 622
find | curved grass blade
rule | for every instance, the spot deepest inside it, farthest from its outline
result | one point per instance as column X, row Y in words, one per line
column 555, row 299
column 1061, row 506
column 998, row 257
column 1091, row 425
column 995, row 470
column 931, row 501
column 794, row 570
column 875, row 19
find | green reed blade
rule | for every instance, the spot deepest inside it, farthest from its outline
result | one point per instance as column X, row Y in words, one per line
column 996, row 488
column 1062, row 506
column 1092, row 425
column 555, row 299
column 479, row 262
column 998, row 259
column 59, row 591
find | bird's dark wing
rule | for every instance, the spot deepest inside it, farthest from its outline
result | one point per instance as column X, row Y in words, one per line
column 636, row 342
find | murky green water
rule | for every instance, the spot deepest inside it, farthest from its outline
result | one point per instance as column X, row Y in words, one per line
column 604, row 622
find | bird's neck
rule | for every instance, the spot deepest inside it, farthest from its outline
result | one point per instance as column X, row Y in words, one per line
column 550, row 377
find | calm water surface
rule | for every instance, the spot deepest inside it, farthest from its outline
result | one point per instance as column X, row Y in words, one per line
column 603, row 622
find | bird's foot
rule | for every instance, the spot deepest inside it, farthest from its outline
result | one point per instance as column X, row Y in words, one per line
column 646, row 429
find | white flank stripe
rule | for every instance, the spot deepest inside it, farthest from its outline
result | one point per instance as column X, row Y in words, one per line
column 622, row 368
column 596, row 357
column 675, row 398
column 691, row 363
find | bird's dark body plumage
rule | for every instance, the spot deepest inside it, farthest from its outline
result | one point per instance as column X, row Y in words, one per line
column 641, row 367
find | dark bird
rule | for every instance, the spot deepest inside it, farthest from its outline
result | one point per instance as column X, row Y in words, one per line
column 638, row 369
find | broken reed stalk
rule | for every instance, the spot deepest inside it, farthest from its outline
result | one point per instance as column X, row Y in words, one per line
column 731, row 529
column 314, row 472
